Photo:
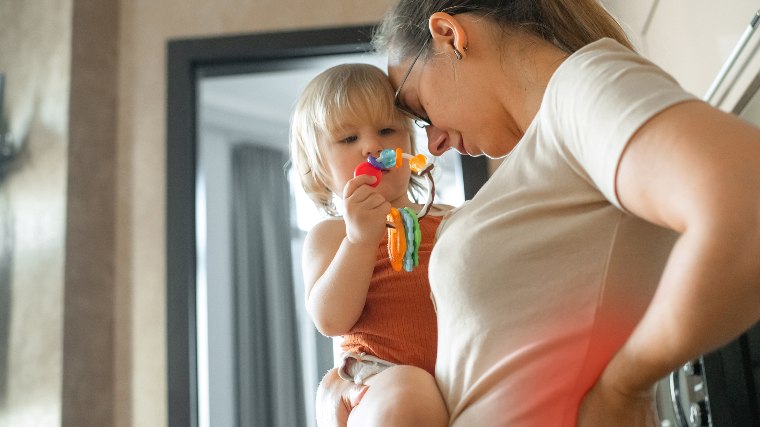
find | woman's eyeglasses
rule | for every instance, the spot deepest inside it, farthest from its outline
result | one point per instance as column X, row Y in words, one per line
column 419, row 121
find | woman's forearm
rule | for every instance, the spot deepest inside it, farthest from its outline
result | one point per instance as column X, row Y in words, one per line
column 693, row 169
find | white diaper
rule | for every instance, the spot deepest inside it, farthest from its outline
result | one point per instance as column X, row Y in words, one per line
column 357, row 367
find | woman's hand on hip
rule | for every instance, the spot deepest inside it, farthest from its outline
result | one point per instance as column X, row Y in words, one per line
column 604, row 405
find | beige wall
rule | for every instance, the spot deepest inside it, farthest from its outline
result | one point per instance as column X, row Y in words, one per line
column 146, row 25
column 690, row 39
column 35, row 56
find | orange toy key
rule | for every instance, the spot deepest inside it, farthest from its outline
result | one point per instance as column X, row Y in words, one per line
column 396, row 240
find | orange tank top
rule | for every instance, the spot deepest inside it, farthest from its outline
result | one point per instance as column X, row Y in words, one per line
column 398, row 323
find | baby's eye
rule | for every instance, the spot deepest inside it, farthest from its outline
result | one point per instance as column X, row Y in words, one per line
column 386, row 131
column 349, row 139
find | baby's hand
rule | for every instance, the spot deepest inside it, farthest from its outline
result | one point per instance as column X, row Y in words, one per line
column 367, row 168
column 366, row 210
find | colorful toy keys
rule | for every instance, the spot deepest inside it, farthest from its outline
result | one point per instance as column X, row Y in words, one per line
column 403, row 224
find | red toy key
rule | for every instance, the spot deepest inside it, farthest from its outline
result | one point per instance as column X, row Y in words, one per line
column 367, row 168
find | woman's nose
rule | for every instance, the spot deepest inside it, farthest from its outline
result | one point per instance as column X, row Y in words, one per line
column 438, row 140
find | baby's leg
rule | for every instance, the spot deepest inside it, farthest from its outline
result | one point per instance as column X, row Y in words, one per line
column 335, row 398
column 400, row 396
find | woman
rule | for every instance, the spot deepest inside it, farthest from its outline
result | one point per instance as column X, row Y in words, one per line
column 569, row 284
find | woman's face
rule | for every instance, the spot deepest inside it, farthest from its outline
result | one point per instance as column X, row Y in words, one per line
column 460, row 102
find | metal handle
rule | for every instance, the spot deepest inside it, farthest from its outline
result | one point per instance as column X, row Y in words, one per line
column 753, row 24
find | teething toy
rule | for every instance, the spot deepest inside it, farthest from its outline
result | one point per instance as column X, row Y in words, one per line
column 368, row 168
column 403, row 224
column 396, row 240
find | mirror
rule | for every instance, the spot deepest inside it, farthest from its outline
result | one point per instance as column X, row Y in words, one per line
column 241, row 350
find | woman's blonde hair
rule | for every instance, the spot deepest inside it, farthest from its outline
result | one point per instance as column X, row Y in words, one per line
column 344, row 95
column 568, row 24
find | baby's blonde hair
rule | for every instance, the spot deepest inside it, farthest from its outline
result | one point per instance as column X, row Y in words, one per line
column 343, row 95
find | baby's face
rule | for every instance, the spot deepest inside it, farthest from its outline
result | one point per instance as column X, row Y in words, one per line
column 354, row 143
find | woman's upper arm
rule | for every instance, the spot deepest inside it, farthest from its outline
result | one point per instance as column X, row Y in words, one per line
column 696, row 170
column 692, row 165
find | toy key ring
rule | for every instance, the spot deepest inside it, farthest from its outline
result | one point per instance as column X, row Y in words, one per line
column 389, row 158
column 403, row 224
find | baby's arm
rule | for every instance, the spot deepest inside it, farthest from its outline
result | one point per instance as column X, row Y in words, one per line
column 339, row 259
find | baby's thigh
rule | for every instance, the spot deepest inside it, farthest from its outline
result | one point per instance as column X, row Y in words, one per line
column 400, row 396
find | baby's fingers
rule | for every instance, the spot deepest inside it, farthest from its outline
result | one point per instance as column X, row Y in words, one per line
column 356, row 183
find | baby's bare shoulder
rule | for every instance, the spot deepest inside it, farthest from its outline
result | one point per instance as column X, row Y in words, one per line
column 326, row 234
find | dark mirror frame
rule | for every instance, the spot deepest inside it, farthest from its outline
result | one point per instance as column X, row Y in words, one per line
column 188, row 60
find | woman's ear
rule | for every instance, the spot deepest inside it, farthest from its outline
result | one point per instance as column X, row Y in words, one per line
column 448, row 33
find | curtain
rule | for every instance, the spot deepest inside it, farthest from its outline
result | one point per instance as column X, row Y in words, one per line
column 268, row 357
